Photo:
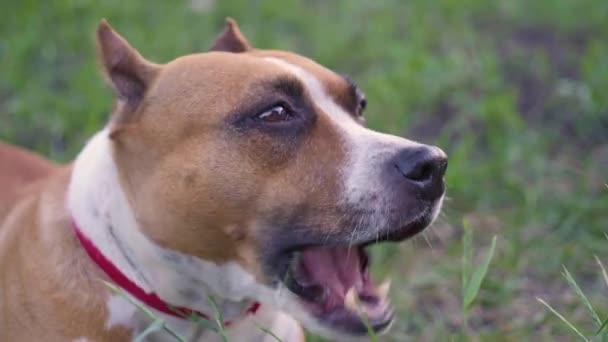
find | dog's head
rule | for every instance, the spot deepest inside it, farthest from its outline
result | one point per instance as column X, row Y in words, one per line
column 262, row 159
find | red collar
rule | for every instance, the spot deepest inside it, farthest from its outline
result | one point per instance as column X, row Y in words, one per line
column 150, row 299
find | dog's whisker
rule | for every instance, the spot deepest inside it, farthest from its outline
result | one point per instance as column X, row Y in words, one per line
column 427, row 240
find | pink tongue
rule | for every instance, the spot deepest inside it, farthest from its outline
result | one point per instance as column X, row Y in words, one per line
column 337, row 269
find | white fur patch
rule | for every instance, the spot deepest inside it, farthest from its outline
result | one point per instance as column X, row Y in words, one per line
column 120, row 312
column 101, row 210
column 365, row 148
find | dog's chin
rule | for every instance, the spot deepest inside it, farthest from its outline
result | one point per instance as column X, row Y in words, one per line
column 331, row 284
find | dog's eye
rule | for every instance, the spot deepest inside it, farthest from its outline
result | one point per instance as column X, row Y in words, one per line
column 362, row 106
column 276, row 114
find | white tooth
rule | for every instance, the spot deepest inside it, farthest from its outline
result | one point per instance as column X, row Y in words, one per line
column 350, row 300
column 384, row 288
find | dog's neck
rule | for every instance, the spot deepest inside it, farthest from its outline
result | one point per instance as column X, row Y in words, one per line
column 99, row 207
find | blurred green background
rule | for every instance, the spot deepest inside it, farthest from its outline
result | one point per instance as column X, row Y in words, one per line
column 515, row 91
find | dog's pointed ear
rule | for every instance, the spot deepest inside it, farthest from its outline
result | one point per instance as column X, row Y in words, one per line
column 231, row 39
column 126, row 70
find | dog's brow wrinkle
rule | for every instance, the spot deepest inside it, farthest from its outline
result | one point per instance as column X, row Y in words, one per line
column 318, row 93
column 290, row 86
column 353, row 87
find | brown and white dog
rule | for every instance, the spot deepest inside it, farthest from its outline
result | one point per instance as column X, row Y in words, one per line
column 240, row 175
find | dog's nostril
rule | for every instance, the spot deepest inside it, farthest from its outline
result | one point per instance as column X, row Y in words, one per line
column 420, row 172
column 424, row 165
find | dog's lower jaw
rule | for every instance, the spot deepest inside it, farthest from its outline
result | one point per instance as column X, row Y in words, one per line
column 288, row 302
column 100, row 208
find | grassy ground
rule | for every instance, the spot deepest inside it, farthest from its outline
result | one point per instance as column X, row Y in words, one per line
column 514, row 91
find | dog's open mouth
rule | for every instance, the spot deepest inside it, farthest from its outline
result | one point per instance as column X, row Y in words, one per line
column 331, row 278
column 334, row 285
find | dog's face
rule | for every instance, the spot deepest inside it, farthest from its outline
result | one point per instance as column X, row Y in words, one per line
column 262, row 158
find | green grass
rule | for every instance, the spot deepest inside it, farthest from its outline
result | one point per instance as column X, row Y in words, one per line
column 157, row 324
column 472, row 277
column 514, row 91
column 600, row 333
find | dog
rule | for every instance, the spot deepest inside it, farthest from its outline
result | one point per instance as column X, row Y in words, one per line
column 239, row 186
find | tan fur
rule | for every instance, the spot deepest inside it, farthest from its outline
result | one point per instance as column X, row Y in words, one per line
column 52, row 291
column 18, row 169
column 48, row 283
column 200, row 176
column 190, row 118
column 50, row 288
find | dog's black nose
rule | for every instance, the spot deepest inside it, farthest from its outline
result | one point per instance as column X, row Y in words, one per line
column 423, row 167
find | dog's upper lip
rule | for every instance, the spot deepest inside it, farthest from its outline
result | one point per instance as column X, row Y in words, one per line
column 406, row 231
column 398, row 234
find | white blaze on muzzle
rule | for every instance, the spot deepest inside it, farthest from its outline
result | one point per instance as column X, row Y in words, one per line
column 366, row 149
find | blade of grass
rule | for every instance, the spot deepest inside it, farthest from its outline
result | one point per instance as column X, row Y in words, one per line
column 365, row 319
column 467, row 261
column 474, row 284
column 605, row 275
column 154, row 327
column 117, row 290
column 267, row 331
column 219, row 320
column 201, row 320
column 599, row 262
column 574, row 286
column 467, row 254
column 563, row 319
column 195, row 318
column 602, row 327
